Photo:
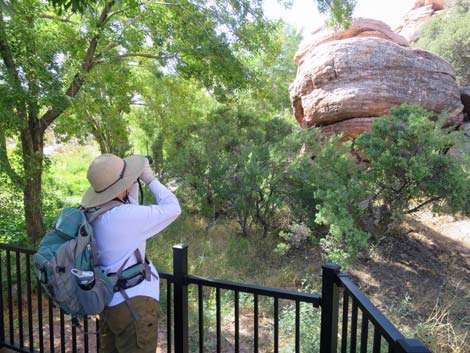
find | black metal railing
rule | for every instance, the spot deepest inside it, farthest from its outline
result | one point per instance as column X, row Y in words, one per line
column 383, row 335
column 29, row 322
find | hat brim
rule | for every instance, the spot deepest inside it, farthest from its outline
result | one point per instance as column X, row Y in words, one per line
column 134, row 167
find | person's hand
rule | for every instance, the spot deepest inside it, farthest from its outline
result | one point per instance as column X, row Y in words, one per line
column 147, row 175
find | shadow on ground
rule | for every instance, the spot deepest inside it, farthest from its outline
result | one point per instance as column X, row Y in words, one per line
column 412, row 274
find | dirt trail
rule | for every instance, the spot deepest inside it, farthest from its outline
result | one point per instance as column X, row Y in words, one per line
column 422, row 272
column 453, row 231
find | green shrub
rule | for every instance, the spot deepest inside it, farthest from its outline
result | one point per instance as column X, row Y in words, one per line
column 409, row 166
column 237, row 163
column 339, row 190
column 448, row 35
column 309, row 328
column 406, row 165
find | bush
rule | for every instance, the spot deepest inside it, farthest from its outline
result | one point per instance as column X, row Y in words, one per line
column 409, row 165
column 406, row 166
column 448, row 35
column 339, row 191
column 238, row 164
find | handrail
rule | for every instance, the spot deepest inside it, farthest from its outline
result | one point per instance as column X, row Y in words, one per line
column 386, row 328
column 177, row 309
column 5, row 246
column 254, row 289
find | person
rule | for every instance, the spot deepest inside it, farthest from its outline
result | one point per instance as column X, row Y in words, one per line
column 129, row 322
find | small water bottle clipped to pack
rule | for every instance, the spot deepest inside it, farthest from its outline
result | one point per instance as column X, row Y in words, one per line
column 86, row 279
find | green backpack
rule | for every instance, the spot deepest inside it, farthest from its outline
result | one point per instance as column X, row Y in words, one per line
column 67, row 266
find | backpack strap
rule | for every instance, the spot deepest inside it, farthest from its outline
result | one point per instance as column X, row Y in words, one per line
column 117, row 277
column 93, row 213
column 146, row 263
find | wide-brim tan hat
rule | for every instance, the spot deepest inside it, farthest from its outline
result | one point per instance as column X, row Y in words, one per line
column 109, row 176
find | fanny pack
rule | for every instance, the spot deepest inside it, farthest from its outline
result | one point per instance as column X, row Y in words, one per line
column 130, row 277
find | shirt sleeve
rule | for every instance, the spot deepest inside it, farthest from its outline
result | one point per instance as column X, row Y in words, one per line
column 146, row 221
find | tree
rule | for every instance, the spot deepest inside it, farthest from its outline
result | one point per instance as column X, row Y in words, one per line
column 47, row 59
column 100, row 109
column 339, row 12
column 448, row 35
column 167, row 110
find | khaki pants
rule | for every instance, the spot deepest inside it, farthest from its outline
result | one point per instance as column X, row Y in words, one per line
column 121, row 333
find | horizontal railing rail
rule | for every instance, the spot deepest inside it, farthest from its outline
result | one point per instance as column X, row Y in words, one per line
column 358, row 313
column 254, row 289
column 380, row 322
column 30, row 322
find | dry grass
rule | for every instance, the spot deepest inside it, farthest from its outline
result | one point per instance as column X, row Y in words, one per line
column 440, row 334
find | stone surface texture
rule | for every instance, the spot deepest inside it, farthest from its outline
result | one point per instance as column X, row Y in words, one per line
column 412, row 22
column 360, row 27
column 344, row 82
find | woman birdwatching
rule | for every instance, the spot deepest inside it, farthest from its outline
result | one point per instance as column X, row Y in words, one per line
column 130, row 321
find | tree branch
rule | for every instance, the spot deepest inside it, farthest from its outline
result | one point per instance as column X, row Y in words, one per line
column 117, row 12
column 6, row 52
column 60, row 19
column 5, row 163
column 166, row 3
column 142, row 55
column 423, row 204
column 88, row 62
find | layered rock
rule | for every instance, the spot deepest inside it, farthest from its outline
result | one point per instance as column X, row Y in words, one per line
column 343, row 82
column 360, row 27
column 421, row 12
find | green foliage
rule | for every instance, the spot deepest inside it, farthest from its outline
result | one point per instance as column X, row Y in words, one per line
column 170, row 108
column 12, row 222
column 410, row 167
column 65, row 181
column 338, row 190
column 238, row 163
column 296, row 236
column 448, row 35
column 63, row 6
column 99, row 109
column 273, row 71
column 339, row 12
column 406, row 166
column 309, row 326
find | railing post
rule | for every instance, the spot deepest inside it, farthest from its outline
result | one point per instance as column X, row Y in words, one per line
column 329, row 309
column 180, row 269
column 411, row 345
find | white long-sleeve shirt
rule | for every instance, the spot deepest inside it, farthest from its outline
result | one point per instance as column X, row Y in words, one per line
column 123, row 229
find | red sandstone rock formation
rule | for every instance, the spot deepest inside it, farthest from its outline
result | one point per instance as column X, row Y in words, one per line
column 344, row 82
column 421, row 12
column 435, row 4
column 360, row 27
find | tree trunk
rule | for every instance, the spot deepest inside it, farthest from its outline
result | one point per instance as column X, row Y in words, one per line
column 33, row 156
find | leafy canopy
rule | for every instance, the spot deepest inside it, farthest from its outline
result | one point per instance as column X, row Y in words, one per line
column 339, row 12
